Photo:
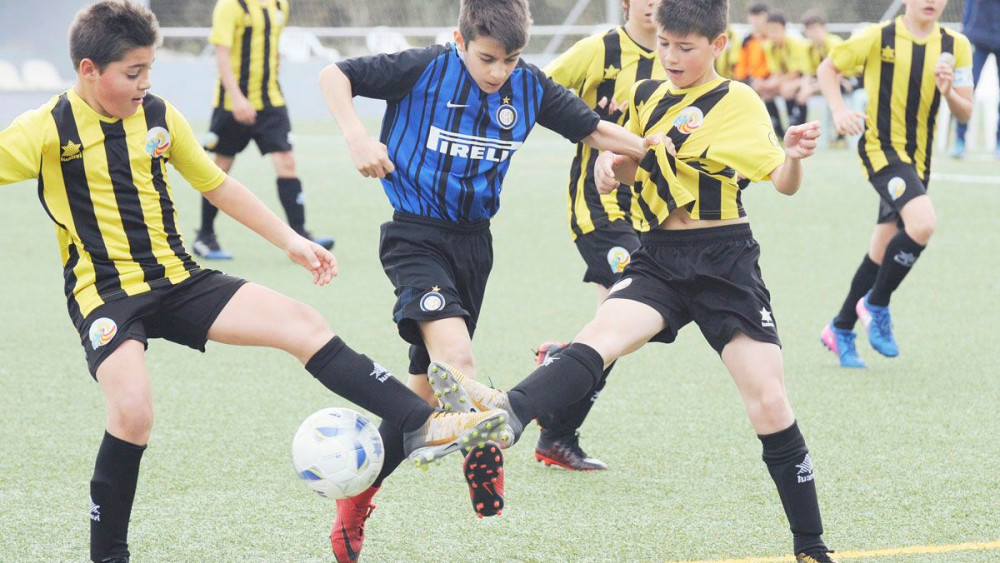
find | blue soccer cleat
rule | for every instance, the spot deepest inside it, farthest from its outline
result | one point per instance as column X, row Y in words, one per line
column 326, row 242
column 841, row 342
column 878, row 322
column 207, row 246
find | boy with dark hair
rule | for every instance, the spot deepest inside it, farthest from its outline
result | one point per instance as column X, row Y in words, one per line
column 700, row 261
column 601, row 69
column 455, row 116
column 819, row 43
column 99, row 152
column 249, row 105
column 751, row 62
column 904, row 96
column 786, row 60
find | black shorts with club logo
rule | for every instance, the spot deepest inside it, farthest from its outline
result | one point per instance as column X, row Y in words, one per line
column 439, row 270
column 272, row 131
column 896, row 184
column 709, row 276
column 180, row 313
column 607, row 250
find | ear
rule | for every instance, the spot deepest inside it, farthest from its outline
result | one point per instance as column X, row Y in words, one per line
column 459, row 40
column 719, row 44
column 88, row 69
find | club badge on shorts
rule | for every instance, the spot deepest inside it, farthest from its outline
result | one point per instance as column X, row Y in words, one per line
column 102, row 331
column 618, row 258
column 432, row 300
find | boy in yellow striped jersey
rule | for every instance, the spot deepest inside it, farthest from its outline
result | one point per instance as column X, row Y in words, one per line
column 249, row 105
column 786, row 59
column 911, row 64
column 601, row 69
column 699, row 262
column 99, row 152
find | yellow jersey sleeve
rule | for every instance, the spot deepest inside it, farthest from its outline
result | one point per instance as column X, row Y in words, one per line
column 855, row 50
column 225, row 18
column 188, row 157
column 21, row 147
column 746, row 141
column 571, row 68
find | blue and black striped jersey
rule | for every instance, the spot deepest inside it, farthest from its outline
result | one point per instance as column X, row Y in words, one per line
column 450, row 142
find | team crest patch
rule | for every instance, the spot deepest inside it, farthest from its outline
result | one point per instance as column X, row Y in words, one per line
column 157, row 142
column 896, row 187
column 432, row 300
column 71, row 151
column 102, row 331
column 618, row 258
column 622, row 284
column 506, row 116
column 210, row 141
column 689, row 120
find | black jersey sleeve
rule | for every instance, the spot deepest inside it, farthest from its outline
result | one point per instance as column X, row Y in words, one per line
column 563, row 111
column 389, row 77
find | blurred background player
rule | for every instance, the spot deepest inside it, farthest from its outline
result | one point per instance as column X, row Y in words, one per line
column 904, row 97
column 600, row 69
column 819, row 42
column 725, row 65
column 751, row 62
column 249, row 105
column 981, row 24
column 786, row 62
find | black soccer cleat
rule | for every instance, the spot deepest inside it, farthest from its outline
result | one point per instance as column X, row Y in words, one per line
column 821, row 555
column 483, row 470
column 566, row 453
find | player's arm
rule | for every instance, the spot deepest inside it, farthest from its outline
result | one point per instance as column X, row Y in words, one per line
column 615, row 138
column 225, row 17
column 847, row 121
column 800, row 142
column 370, row 157
column 953, row 78
column 21, row 148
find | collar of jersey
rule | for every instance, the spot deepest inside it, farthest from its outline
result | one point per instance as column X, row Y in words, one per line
column 701, row 88
column 79, row 102
column 646, row 53
column 901, row 28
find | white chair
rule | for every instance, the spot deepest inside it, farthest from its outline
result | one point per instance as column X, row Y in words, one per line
column 39, row 74
column 300, row 45
column 10, row 79
column 382, row 39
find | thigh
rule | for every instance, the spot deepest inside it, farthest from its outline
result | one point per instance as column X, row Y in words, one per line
column 110, row 325
column 127, row 391
column 273, row 131
column 258, row 316
column 227, row 136
column 621, row 327
column 757, row 369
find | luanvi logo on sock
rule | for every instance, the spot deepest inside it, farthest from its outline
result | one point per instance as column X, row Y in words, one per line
column 905, row 259
column 95, row 511
column 805, row 470
column 379, row 373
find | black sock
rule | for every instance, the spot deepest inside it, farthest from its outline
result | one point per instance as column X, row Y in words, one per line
column 208, row 213
column 788, row 461
column 290, row 194
column 796, row 113
column 112, row 490
column 772, row 110
column 356, row 378
column 571, row 376
column 565, row 422
column 900, row 255
column 392, row 441
column 864, row 279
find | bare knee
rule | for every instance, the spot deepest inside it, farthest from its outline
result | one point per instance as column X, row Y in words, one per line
column 284, row 164
column 458, row 355
column 921, row 231
column 307, row 333
column 131, row 418
column 769, row 410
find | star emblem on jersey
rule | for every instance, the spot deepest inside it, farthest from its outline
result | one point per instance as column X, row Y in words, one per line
column 432, row 300
column 71, row 151
column 896, row 187
column 506, row 99
column 611, row 72
column 888, row 55
column 506, row 116
column 805, row 468
column 766, row 320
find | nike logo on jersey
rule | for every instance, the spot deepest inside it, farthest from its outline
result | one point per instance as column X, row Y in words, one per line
column 451, row 105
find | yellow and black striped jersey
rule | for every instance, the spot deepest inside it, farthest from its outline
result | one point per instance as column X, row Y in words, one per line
column 724, row 141
column 603, row 66
column 790, row 56
column 725, row 64
column 816, row 53
column 250, row 29
column 902, row 93
column 103, row 182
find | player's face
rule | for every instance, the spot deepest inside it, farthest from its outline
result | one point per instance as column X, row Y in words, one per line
column 488, row 62
column 925, row 11
column 776, row 32
column 758, row 22
column 816, row 33
column 641, row 12
column 688, row 59
column 119, row 90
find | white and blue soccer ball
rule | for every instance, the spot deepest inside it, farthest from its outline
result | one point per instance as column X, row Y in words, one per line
column 337, row 453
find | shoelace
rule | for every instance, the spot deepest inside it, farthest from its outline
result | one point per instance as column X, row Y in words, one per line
column 848, row 341
column 573, row 445
column 884, row 323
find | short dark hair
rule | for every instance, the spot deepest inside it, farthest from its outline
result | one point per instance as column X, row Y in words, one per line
column 813, row 17
column 506, row 21
column 104, row 32
column 757, row 8
column 777, row 17
column 704, row 17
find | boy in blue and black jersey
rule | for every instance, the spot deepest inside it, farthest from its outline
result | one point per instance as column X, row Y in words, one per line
column 456, row 114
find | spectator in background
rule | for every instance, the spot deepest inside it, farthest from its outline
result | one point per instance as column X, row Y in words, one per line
column 786, row 61
column 750, row 60
column 981, row 24
column 725, row 65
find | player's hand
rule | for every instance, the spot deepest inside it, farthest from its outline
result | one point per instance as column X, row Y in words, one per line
column 612, row 108
column 657, row 139
column 243, row 111
column 604, row 171
column 800, row 140
column 370, row 157
column 849, row 122
column 944, row 77
column 313, row 257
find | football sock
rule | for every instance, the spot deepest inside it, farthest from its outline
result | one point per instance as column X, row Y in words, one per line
column 571, row 377
column 864, row 279
column 290, row 194
column 356, row 378
column 788, row 461
column 900, row 255
column 772, row 110
column 565, row 422
column 796, row 113
column 392, row 441
column 208, row 213
column 112, row 490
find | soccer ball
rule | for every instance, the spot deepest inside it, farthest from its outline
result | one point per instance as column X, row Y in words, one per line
column 338, row 453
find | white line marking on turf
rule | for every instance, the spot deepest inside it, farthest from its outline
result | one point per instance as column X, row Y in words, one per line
column 969, row 178
column 912, row 550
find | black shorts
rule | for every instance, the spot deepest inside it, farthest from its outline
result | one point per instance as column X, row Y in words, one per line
column 180, row 313
column 709, row 276
column 896, row 184
column 439, row 269
column 272, row 131
column 607, row 250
